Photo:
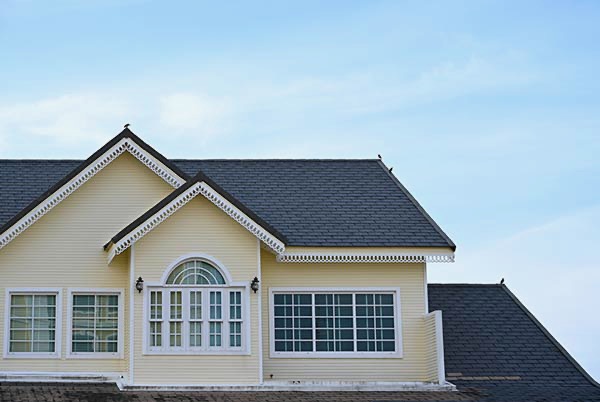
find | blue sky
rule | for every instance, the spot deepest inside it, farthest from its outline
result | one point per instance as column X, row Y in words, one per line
column 488, row 112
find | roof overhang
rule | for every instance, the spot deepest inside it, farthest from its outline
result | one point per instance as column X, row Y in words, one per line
column 126, row 141
column 143, row 225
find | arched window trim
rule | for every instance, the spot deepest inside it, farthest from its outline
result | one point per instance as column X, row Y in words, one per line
column 201, row 257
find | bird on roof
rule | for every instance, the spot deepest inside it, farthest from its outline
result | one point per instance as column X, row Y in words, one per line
column 379, row 156
column 126, row 125
column 502, row 281
column 391, row 169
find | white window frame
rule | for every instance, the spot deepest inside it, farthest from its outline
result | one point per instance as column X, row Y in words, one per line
column 57, row 330
column 120, row 331
column 205, row 349
column 398, row 353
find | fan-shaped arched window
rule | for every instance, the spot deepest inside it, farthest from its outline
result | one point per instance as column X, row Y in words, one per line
column 195, row 272
column 197, row 310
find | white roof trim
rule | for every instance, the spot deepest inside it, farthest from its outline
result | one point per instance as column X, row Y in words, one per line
column 365, row 257
column 124, row 145
column 183, row 198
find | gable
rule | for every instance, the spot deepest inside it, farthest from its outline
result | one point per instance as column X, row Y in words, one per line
column 65, row 245
column 176, row 200
column 126, row 141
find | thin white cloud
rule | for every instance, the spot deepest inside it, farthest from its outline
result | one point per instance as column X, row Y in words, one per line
column 193, row 112
column 68, row 120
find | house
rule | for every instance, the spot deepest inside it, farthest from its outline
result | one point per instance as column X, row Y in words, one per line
column 238, row 275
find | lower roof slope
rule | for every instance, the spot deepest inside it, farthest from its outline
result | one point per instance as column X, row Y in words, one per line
column 493, row 343
column 310, row 202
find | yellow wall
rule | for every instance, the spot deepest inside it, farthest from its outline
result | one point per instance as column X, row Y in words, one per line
column 431, row 352
column 408, row 277
column 64, row 249
column 198, row 227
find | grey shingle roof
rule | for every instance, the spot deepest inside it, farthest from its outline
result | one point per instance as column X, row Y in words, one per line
column 310, row 202
column 492, row 342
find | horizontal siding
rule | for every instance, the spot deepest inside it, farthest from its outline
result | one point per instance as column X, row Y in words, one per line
column 64, row 249
column 199, row 227
column 408, row 277
column 431, row 344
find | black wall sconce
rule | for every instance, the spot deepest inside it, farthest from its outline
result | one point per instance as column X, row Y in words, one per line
column 254, row 284
column 139, row 284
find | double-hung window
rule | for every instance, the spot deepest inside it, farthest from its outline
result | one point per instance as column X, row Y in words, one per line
column 335, row 323
column 33, row 319
column 95, row 322
column 196, row 311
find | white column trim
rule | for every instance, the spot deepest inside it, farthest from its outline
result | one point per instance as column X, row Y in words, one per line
column 131, row 314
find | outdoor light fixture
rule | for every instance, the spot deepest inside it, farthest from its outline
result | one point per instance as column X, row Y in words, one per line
column 254, row 284
column 139, row 284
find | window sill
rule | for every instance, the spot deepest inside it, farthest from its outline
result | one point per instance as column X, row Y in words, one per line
column 97, row 356
column 335, row 355
column 197, row 353
column 31, row 356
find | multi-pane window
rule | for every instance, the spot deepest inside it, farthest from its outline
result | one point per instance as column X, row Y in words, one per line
column 175, row 318
column 32, row 326
column 95, row 323
column 235, row 319
column 156, row 317
column 195, row 312
column 333, row 322
column 195, row 319
column 216, row 319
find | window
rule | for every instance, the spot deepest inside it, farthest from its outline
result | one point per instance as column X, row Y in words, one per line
column 335, row 323
column 33, row 323
column 95, row 322
column 196, row 311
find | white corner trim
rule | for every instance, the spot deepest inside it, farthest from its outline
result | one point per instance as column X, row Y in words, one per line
column 364, row 257
column 131, row 315
column 182, row 199
column 125, row 145
column 439, row 340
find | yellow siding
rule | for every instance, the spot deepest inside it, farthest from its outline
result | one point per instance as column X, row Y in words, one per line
column 431, row 344
column 64, row 249
column 408, row 277
column 198, row 227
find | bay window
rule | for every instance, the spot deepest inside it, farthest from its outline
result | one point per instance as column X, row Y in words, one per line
column 335, row 323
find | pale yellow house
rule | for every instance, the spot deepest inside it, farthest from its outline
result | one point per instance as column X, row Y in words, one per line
column 273, row 274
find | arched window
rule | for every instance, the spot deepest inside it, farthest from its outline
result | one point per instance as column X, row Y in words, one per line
column 195, row 272
column 196, row 310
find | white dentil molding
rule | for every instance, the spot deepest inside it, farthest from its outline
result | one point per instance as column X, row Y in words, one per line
column 124, row 145
column 182, row 199
column 363, row 257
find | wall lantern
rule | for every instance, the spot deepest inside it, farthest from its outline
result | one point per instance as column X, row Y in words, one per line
column 254, row 284
column 139, row 284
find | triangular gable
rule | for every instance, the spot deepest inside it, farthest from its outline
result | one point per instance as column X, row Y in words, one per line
column 125, row 141
column 203, row 185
